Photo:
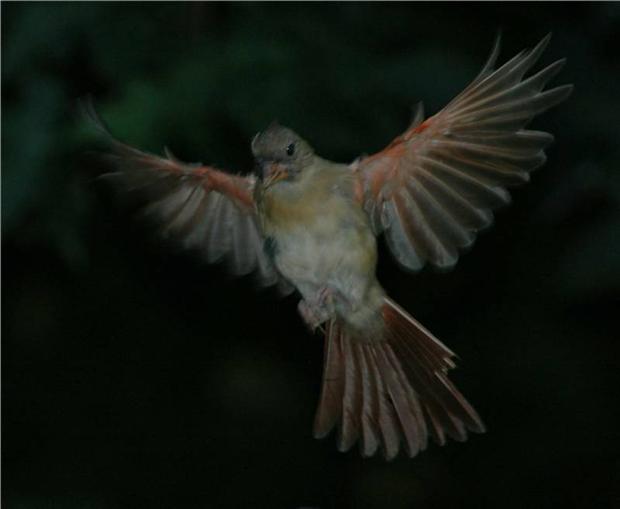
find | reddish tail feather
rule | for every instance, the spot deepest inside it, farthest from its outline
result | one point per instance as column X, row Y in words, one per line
column 391, row 390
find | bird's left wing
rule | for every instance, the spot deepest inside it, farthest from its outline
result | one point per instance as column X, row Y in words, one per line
column 435, row 186
column 203, row 207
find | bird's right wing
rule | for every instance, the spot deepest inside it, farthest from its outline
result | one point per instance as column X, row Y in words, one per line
column 205, row 208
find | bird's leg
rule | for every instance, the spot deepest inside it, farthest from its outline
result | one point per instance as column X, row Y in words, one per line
column 317, row 310
column 312, row 315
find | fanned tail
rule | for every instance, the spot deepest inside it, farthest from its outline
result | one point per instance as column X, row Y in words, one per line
column 389, row 391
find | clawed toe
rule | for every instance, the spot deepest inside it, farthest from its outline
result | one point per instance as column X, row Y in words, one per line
column 313, row 316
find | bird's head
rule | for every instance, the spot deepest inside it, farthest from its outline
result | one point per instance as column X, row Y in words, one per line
column 280, row 155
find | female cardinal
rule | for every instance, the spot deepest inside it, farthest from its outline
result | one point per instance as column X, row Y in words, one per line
column 306, row 223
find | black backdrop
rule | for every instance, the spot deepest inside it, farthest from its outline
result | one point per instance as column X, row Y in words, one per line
column 134, row 375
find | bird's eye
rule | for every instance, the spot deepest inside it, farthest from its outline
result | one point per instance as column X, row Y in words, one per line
column 290, row 150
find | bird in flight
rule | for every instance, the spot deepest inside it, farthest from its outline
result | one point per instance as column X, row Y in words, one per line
column 310, row 225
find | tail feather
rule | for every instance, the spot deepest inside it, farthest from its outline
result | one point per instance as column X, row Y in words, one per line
column 415, row 435
column 385, row 417
column 432, row 389
column 330, row 406
column 352, row 398
column 389, row 391
column 370, row 428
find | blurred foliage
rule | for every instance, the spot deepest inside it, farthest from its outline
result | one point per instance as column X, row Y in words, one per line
column 136, row 376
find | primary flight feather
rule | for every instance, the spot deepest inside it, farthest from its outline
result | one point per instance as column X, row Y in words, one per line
column 308, row 224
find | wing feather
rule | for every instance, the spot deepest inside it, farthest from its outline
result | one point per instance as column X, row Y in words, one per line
column 205, row 208
column 436, row 185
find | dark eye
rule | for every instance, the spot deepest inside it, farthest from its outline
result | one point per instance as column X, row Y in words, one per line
column 290, row 150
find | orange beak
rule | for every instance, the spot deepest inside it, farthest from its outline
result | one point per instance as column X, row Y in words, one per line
column 276, row 172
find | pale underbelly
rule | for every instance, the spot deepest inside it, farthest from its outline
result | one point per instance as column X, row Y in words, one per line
column 343, row 260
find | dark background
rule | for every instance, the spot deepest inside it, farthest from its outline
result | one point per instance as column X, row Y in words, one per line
column 134, row 375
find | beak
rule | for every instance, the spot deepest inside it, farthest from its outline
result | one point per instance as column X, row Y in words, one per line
column 274, row 173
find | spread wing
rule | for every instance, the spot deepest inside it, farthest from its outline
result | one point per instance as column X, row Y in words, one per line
column 435, row 186
column 205, row 208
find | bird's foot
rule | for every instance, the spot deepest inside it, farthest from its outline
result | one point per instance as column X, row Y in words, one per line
column 318, row 310
column 314, row 316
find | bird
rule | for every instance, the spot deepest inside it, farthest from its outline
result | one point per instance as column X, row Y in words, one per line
column 308, row 225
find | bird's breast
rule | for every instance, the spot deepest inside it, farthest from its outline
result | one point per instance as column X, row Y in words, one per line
column 315, row 214
column 317, row 239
